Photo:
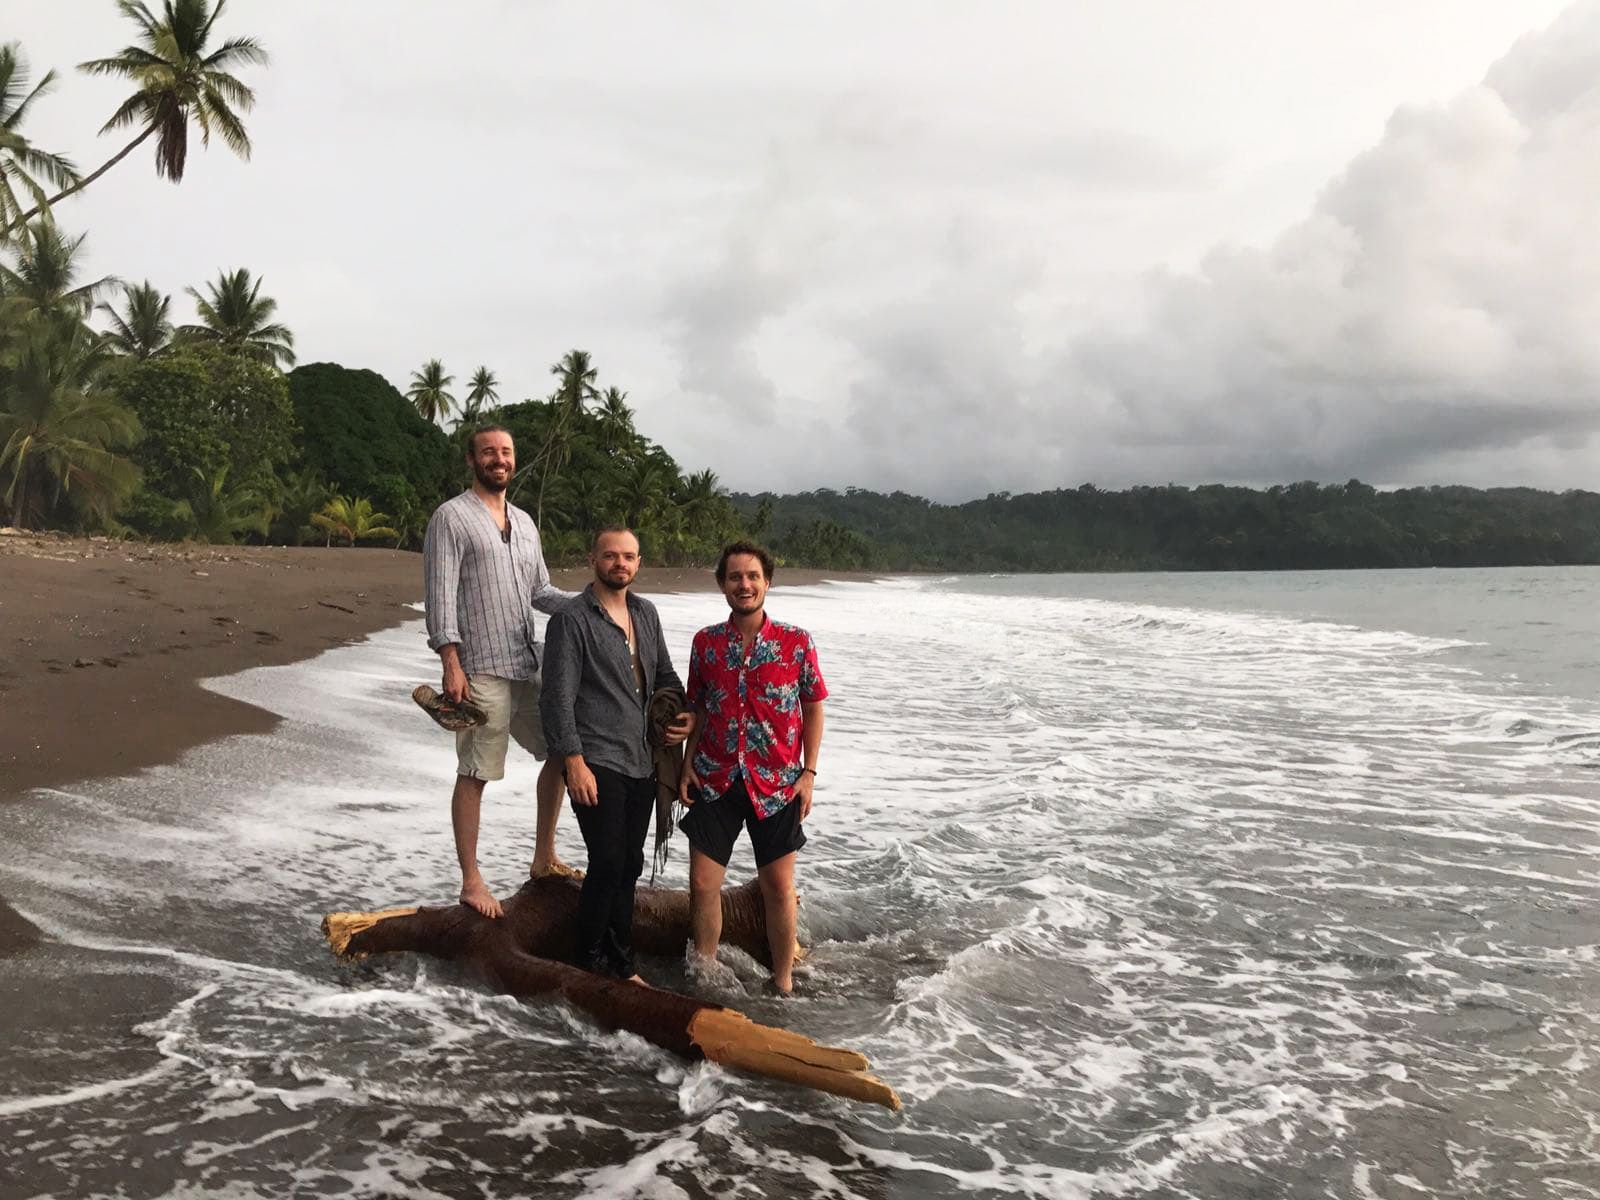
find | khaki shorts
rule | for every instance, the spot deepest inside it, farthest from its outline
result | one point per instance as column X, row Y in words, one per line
column 513, row 709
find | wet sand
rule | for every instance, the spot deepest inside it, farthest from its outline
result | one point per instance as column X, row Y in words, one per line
column 103, row 644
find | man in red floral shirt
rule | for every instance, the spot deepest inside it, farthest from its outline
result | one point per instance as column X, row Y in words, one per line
column 752, row 759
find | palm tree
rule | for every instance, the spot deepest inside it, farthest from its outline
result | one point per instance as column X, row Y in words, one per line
column 644, row 489
column 23, row 166
column 221, row 513
column 143, row 328
column 616, row 423
column 58, row 434
column 44, row 281
column 427, row 391
column 300, row 496
column 483, row 389
column 353, row 520
column 700, row 497
column 235, row 314
column 177, row 81
column 576, row 387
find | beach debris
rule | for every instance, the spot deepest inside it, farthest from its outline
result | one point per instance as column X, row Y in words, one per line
column 340, row 607
column 524, row 954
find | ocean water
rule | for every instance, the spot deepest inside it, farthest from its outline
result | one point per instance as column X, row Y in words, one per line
column 1133, row 886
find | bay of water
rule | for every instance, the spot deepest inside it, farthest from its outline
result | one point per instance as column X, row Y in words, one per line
column 1159, row 886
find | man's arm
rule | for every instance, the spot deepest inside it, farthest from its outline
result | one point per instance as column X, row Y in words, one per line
column 558, row 694
column 441, row 578
column 684, row 723
column 810, row 749
column 546, row 596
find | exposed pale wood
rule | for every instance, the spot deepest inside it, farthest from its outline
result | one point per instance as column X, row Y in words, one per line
column 524, row 952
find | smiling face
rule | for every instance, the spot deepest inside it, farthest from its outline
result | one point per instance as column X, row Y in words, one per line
column 615, row 559
column 494, row 459
column 744, row 583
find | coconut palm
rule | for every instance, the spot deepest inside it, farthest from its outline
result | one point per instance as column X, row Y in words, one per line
column 25, row 170
column 352, row 520
column 59, row 436
column 700, row 497
column 235, row 314
column 143, row 328
column 644, row 490
column 220, row 512
column 576, row 372
column 482, row 390
column 427, row 391
column 43, row 283
column 615, row 419
column 179, row 78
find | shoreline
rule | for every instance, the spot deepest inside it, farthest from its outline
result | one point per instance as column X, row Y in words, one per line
column 105, row 643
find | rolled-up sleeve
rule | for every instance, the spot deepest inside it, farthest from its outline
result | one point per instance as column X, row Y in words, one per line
column 441, row 574
column 545, row 596
column 563, row 669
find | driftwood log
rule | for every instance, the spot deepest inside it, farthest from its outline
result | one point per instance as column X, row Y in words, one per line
column 525, row 954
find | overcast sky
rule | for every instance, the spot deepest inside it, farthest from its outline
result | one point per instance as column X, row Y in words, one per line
column 949, row 248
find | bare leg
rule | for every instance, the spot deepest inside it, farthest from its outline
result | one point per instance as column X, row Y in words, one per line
column 705, row 902
column 464, row 805
column 777, row 893
column 548, row 791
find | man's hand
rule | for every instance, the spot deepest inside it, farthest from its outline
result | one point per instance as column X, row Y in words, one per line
column 802, row 794
column 581, row 784
column 688, row 781
column 680, row 728
column 455, row 686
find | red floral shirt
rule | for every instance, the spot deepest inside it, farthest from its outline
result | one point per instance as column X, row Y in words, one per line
column 751, row 709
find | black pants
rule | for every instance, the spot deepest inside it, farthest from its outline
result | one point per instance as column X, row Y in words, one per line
column 613, row 831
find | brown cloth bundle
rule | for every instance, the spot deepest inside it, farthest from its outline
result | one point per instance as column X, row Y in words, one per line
column 664, row 707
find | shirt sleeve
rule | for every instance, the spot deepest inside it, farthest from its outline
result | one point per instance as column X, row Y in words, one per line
column 812, row 688
column 546, row 596
column 697, row 679
column 441, row 576
column 558, row 692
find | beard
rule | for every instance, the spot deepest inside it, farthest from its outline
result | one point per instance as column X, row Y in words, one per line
column 610, row 583
column 490, row 482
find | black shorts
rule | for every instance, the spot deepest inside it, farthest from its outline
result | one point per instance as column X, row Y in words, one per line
column 712, row 826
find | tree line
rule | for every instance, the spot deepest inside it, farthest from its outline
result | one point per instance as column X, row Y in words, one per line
column 1302, row 525
column 116, row 417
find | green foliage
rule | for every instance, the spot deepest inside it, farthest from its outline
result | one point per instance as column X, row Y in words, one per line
column 1212, row 527
column 25, row 169
column 203, row 407
column 300, row 495
column 60, row 433
column 353, row 520
column 219, row 512
column 143, row 328
column 428, row 391
column 234, row 314
column 360, row 434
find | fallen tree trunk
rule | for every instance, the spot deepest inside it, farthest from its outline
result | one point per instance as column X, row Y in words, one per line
column 524, row 952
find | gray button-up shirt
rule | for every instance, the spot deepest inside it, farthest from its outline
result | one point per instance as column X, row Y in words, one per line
column 591, row 701
column 481, row 589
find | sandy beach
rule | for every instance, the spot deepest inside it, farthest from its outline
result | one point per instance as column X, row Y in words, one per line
column 105, row 643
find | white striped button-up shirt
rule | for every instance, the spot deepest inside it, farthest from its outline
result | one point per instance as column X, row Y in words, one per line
column 482, row 588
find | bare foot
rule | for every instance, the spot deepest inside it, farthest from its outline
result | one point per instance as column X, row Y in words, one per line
column 476, row 894
column 554, row 867
column 784, row 988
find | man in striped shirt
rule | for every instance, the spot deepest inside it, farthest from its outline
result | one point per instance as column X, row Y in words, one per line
column 485, row 575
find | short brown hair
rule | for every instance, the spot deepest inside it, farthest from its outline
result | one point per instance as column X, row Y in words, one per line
column 594, row 542
column 745, row 547
column 472, row 438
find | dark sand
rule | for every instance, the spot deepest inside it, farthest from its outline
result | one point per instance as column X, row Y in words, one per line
column 102, row 644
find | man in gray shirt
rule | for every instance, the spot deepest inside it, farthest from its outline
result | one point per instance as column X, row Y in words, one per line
column 604, row 656
column 485, row 574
